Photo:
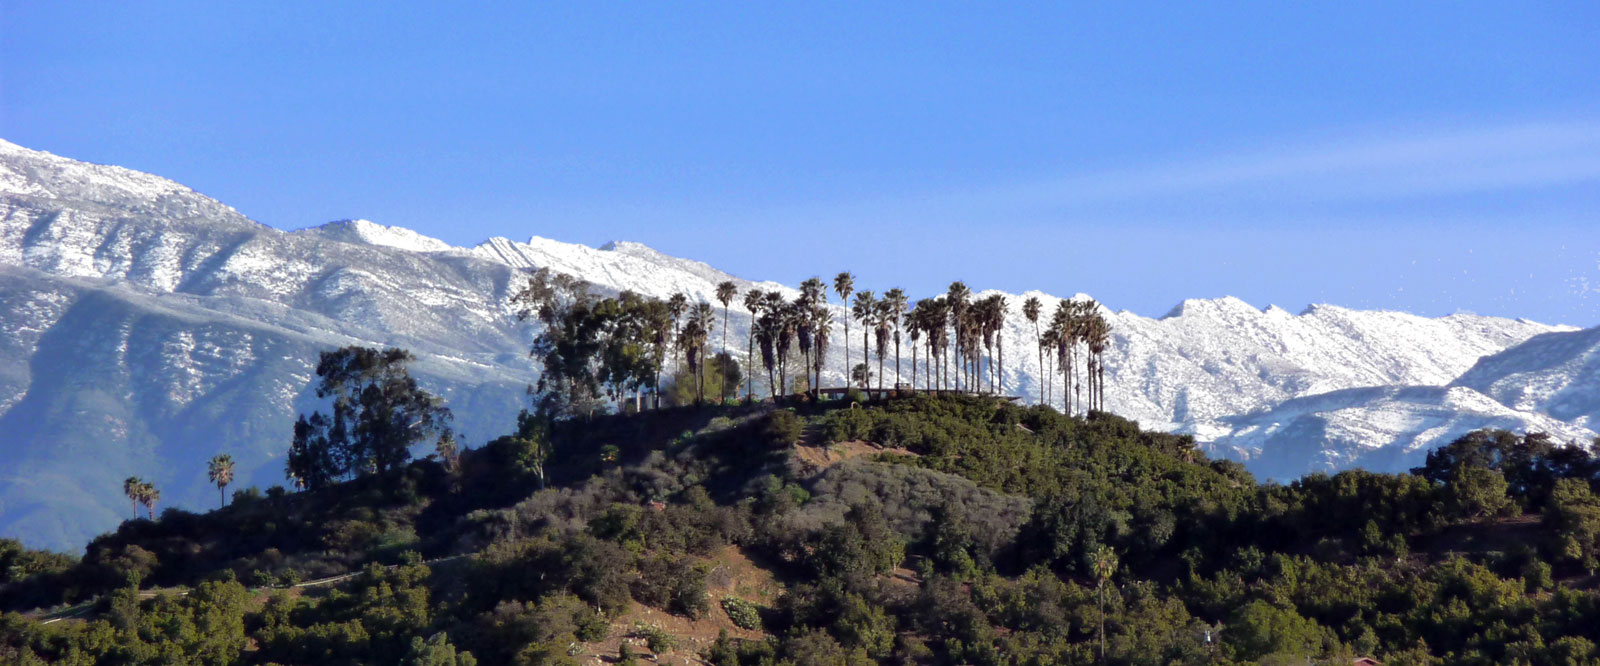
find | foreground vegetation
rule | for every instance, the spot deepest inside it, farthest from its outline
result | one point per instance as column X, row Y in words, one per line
column 983, row 533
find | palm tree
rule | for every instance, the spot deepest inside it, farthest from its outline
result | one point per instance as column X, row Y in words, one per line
column 704, row 318
column 130, row 487
column 997, row 311
column 881, row 315
column 752, row 302
column 1030, row 309
column 865, row 311
column 767, row 333
column 725, row 293
column 677, row 304
column 220, row 470
column 956, row 298
column 896, row 298
column 1062, row 325
column 914, row 332
column 1105, row 565
column 1047, row 349
column 1097, row 337
column 844, row 285
column 149, row 495
column 821, row 330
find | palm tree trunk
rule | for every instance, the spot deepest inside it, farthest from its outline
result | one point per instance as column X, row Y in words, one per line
column 722, row 394
column 897, row 357
column 847, row 348
column 865, row 384
column 750, row 362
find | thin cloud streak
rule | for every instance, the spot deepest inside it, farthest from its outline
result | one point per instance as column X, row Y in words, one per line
column 1294, row 181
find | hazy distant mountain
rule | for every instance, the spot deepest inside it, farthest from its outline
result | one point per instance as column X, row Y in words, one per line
column 145, row 327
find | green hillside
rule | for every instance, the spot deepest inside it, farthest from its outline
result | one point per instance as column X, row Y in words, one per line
column 915, row 530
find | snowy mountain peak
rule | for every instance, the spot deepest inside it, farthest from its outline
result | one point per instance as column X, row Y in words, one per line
column 1224, row 306
column 371, row 233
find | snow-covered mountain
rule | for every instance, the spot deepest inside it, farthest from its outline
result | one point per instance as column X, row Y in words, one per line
column 1555, row 373
column 145, row 327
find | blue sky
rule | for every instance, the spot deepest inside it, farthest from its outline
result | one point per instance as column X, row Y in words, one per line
column 1430, row 157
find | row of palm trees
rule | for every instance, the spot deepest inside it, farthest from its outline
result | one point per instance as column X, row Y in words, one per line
column 1076, row 331
column 957, row 337
column 143, row 493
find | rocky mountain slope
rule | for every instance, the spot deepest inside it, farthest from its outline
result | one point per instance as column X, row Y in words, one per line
column 145, row 327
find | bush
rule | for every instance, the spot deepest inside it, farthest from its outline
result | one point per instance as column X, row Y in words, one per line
column 782, row 429
column 655, row 638
column 744, row 614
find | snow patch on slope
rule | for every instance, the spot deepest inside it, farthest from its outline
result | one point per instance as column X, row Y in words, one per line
column 1382, row 427
column 371, row 233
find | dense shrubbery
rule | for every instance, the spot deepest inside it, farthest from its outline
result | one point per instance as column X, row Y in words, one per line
column 1013, row 535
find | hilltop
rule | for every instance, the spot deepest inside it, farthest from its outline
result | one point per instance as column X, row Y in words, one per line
column 982, row 532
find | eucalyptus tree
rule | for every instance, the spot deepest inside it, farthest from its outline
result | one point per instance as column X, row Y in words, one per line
column 220, row 471
column 378, row 414
column 956, row 300
column 844, row 285
column 896, row 299
column 1030, row 309
column 725, row 293
column 865, row 311
column 753, row 300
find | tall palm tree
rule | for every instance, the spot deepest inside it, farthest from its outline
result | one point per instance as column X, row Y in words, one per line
column 1105, row 565
column 896, row 298
column 130, row 487
column 704, row 318
column 149, row 495
column 788, row 328
column 1061, row 323
column 865, row 311
column 725, row 293
column 999, row 311
column 1047, row 348
column 914, row 333
column 220, row 470
column 881, row 316
column 956, row 297
column 844, row 285
column 821, row 331
column 1097, row 338
column 677, row 305
column 1030, row 309
column 767, row 333
column 753, row 302
column 932, row 325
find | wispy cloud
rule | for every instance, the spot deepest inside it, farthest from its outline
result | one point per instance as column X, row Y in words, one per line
column 1293, row 179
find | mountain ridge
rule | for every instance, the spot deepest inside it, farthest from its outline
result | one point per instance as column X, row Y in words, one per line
column 74, row 235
